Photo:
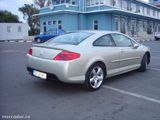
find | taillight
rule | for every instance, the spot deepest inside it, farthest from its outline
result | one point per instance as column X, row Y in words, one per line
column 30, row 51
column 66, row 56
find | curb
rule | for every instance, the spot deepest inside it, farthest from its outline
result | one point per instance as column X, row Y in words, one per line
column 145, row 40
column 16, row 40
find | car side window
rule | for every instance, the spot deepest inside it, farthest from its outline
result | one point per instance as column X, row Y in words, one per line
column 122, row 41
column 104, row 41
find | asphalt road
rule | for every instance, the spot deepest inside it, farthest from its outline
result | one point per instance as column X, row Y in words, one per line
column 131, row 96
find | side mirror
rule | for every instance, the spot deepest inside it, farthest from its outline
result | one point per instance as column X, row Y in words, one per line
column 135, row 46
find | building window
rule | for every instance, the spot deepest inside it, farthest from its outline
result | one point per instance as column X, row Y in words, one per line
column 101, row 1
column 95, row 25
column 148, row 11
column 68, row 1
column 151, row 12
column 62, row 1
column 133, row 27
column 59, row 24
column 155, row 27
column 157, row 14
column 8, row 29
column 19, row 29
column 123, row 25
column 140, row 26
column 116, row 23
column 141, row 9
column 44, row 23
column 54, row 22
column 150, row 28
column 97, row 2
column 154, row 13
column 145, row 26
column 124, row 5
column 73, row 3
column 88, row 2
column 133, row 7
column 49, row 22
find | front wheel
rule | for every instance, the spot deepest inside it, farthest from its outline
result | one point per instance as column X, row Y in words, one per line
column 94, row 77
column 144, row 64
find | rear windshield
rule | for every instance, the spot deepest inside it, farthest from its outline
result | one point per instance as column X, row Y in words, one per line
column 70, row 38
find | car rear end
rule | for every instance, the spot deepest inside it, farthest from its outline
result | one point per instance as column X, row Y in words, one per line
column 57, row 61
column 53, row 63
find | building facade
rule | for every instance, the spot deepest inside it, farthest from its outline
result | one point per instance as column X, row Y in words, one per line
column 155, row 2
column 13, row 31
column 132, row 17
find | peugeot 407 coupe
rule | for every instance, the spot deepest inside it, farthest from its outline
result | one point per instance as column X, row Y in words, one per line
column 87, row 57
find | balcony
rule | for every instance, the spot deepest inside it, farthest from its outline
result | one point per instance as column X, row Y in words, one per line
column 60, row 7
column 93, row 5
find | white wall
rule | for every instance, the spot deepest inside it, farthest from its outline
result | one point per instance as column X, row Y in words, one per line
column 9, row 31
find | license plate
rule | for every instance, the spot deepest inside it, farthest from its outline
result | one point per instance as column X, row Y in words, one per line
column 40, row 74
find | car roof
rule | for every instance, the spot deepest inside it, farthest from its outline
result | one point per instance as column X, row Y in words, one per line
column 98, row 31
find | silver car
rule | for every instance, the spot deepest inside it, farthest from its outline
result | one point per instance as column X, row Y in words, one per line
column 87, row 57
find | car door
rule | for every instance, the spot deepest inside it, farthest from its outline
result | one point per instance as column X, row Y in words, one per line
column 110, row 53
column 129, row 55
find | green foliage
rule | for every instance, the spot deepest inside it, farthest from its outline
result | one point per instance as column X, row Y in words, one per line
column 29, row 10
column 8, row 17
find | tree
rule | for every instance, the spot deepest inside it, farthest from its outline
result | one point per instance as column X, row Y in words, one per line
column 42, row 3
column 8, row 17
column 33, row 22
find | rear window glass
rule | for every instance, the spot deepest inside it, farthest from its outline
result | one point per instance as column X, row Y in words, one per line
column 70, row 38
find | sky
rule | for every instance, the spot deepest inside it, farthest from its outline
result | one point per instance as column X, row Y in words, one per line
column 13, row 5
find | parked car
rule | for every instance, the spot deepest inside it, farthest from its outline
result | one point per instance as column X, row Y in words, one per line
column 87, row 57
column 157, row 36
column 48, row 35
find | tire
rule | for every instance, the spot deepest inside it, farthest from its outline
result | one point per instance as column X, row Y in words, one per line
column 38, row 40
column 144, row 64
column 94, row 77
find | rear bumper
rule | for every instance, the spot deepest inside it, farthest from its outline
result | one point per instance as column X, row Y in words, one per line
column 61, row 70
column 49, row 76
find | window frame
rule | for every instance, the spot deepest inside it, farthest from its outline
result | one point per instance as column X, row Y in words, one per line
column 114, row 45
column 131, row 40
column 59, row 24
column 19, row 29
column 95, row 24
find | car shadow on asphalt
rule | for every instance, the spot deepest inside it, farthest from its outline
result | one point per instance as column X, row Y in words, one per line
column 59, row 87
column 123, row 77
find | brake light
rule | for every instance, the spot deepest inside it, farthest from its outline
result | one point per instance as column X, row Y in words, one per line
column 30, row 51
column 66, row 56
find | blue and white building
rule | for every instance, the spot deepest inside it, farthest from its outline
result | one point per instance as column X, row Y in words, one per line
column 155, row 2
column 132, row 17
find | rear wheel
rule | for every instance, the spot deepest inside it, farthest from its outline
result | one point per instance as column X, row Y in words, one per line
column 94, row 77
column 144, row 64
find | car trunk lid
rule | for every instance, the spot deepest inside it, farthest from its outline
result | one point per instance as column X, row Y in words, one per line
column 47, row 51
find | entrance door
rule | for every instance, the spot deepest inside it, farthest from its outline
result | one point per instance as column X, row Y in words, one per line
column 44, row 29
